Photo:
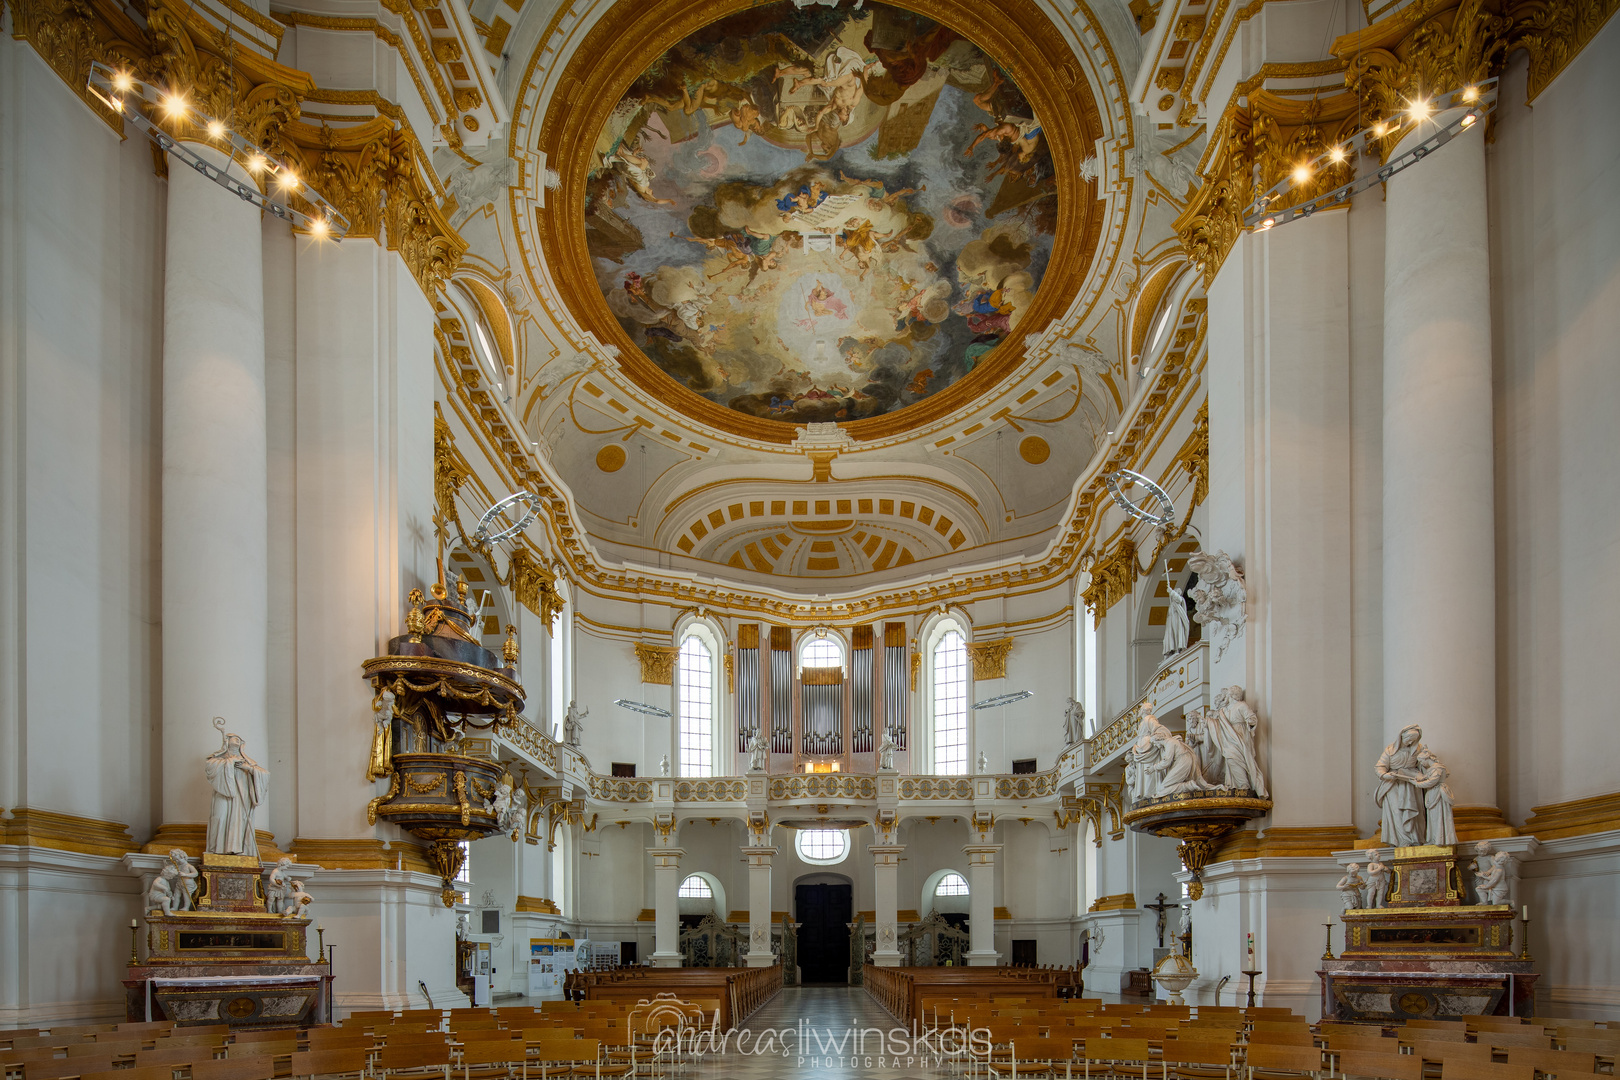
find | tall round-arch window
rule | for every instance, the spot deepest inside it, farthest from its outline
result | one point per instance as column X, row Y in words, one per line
column 950, row 704
column 695, row 676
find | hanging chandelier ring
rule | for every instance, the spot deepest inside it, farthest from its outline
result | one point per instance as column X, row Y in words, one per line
column 483, row 535
column 1165, row 516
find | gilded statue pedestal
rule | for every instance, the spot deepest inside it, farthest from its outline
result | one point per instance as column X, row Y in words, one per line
column 1427, row 953
column 229, row 960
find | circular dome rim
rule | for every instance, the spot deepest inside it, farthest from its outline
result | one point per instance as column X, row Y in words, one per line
column 632, row 33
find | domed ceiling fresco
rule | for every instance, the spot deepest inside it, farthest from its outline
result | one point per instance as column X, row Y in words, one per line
column 820, row 213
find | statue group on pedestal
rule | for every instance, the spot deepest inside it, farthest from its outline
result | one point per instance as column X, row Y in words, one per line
column 175, row 887
column 1412, row 796
column 239, row 784
column 1217, row 752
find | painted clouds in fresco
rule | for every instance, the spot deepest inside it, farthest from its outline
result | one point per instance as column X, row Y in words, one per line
column 824, row 214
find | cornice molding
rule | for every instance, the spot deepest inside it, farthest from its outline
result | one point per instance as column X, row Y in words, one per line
column 31, row 827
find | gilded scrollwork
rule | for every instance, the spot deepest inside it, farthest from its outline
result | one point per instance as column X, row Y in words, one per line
column 1112, row 577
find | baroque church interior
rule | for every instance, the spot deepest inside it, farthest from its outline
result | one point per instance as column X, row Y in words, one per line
column 503, row 501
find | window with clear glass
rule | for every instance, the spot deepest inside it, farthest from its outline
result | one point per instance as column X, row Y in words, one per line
column 823, row 845
column 950, row 704
column 696, row 887
column 952, row 885
column 820, row 652
column 695, row 676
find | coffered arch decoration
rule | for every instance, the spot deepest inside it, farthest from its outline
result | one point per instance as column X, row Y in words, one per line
column 783, row 531
column 867, row 78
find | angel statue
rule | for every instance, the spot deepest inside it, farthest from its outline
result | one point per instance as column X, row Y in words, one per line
column 239, row 784
column 185, row 880
column 1350, row 887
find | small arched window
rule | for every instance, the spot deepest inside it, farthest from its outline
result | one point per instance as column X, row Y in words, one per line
column 950, row 686
column 952, row 884
column 697, row 888
column 695, row 679
column 819, row 652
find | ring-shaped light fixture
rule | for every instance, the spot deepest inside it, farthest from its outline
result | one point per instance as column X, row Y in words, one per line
column 483, row 535
column 1003, row 699
column 1166, row 515
column 641, row 707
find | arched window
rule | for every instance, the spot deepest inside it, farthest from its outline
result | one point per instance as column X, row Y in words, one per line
column 825, row 846
column 697, row 888
column 950, row 685
column 820, row 652
column 952, row 884
column 695, row 678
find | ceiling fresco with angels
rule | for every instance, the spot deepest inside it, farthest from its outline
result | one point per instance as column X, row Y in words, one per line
column 820, row 213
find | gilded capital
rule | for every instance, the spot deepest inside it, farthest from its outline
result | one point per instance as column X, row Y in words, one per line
column 657, row 663
column 990, row 658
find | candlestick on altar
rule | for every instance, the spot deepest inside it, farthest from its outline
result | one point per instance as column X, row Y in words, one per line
column 134, row 931
column 1251, row 975
column 1524, row 946
column 1327, row 954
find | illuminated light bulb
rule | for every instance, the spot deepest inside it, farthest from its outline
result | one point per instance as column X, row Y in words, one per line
column 1378, row 130
column 289, row 181
column 122, row 81
column 216, row 129
column 174, row 105
column 256, row 163
column 318, row 227
column 1302, row 174
column 1471, row 94
column 1469, row 118
column 1420, row 110
column 1267, row 223
column 1336, row 155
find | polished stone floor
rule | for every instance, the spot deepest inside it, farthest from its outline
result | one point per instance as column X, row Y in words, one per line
column 824, row 1032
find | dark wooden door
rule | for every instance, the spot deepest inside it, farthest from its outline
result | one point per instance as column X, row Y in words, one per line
column 1023, row 953
column 823, row 914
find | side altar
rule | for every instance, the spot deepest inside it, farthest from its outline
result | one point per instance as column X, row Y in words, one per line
column 1429, row 933
column 228, row 942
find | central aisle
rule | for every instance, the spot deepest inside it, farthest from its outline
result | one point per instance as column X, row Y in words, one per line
column 827, row 1032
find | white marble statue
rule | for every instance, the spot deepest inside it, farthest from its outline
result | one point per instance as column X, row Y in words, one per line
column 160, row 894
column 294, row 899
column 1377, row 880
column 1176, row 626
column 1220, row 596
column 984, row 762
column 1224, row 737
column 663, row 765
column 277, row 883
column 239, row 784
column 759, row 754
column 516, row 813
column 463, row 927
column 1074, row 723
column 574, row 724
column 507, row 806
column 185, row 885
column 1165, row 764
column 1413, row 798
column 1493, row 873
column 1350, row 887
column 885, row 753
column 1439, row 827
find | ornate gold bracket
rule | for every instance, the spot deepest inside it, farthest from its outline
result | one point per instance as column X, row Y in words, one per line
column 657, row 663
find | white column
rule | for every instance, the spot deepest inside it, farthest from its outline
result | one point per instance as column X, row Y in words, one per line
column 982, row 904
column 759, row 905
column 667, row 924
column 215, row 561
column 1439, row 553
column 886, row 894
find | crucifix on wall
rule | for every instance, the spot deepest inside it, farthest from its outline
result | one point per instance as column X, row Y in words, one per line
column 1161, row 907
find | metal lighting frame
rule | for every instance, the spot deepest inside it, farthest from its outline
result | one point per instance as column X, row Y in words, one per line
column 117, row 88
column 1478, row 99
